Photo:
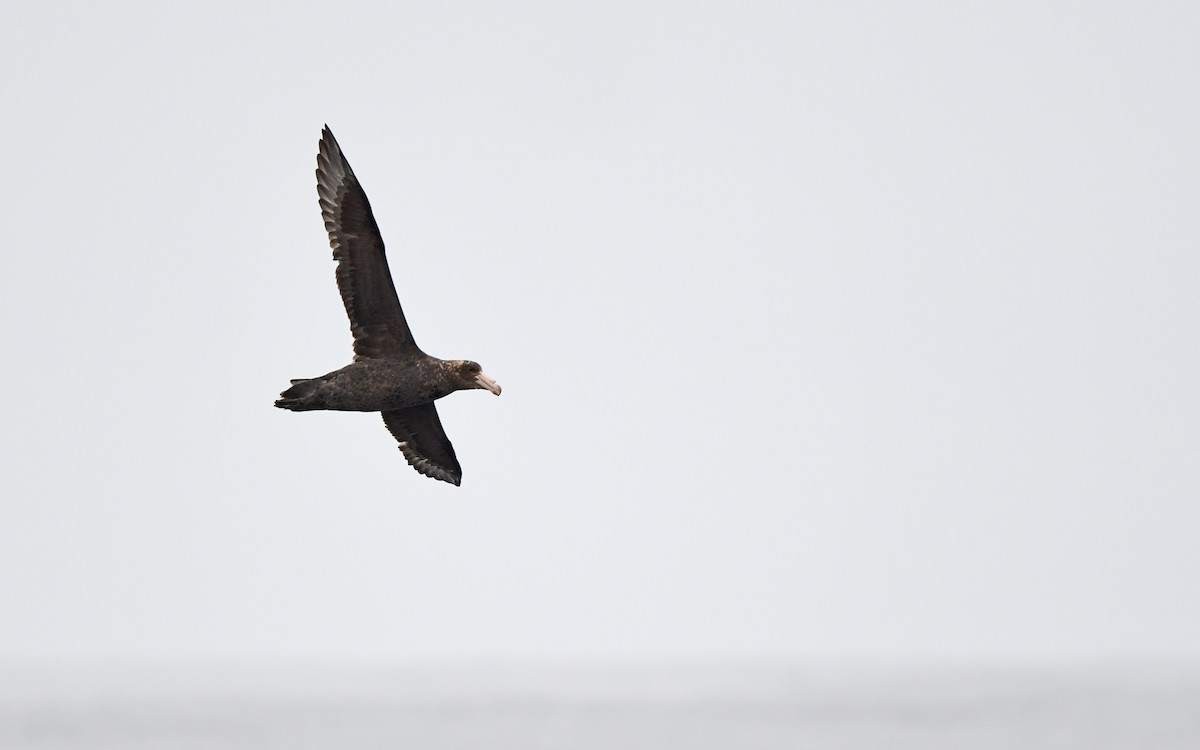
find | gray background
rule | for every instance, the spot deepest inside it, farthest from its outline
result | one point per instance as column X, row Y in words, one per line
column 829, row 330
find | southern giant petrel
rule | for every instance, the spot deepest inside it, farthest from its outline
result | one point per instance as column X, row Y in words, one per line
column 389, row 374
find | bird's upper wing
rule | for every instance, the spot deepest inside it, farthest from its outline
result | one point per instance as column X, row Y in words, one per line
column 423, row 442
column 363, row 278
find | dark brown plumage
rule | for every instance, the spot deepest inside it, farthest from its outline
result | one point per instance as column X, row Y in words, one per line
column 389, row 374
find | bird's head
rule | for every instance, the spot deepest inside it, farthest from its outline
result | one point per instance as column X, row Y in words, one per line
column 471, row 375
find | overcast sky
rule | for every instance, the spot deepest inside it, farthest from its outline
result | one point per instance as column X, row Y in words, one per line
column 825, row 330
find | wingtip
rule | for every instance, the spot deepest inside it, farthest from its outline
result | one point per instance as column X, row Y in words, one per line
column 330, row 158
column 327, row 138
column 427, row 468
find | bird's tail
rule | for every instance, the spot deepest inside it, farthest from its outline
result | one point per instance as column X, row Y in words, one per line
column 304, row 395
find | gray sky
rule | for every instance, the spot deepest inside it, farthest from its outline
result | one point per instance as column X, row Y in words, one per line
column 825, row 330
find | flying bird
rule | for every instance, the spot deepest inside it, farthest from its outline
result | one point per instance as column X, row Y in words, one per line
column 389, row 374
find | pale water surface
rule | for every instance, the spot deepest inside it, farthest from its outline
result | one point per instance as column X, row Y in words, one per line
column 526, row 708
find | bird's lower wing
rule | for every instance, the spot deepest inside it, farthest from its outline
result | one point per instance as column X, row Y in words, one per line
column 424, row 443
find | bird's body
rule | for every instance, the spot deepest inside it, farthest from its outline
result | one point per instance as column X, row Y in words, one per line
column 390, row 374
column 373, row 385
